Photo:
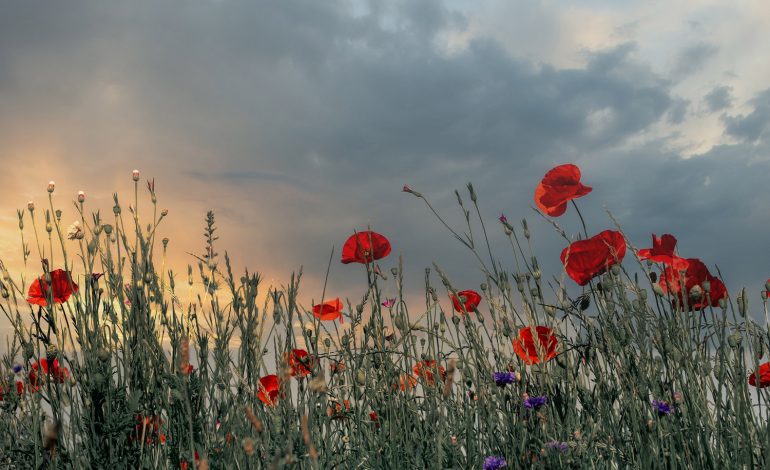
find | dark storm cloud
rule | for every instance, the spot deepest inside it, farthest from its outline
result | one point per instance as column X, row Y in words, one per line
column 719, row 98
column 300, row 121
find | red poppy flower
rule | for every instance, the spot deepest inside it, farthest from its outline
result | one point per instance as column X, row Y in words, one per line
column 764, row 376
column 662, row 251
column 524, row 346
column 470, row 300
column 695, row 275
column 586, row 259
column 374, row 419
column 559, row 186
column 62, row 287
column 426, row 369
column 268, row 389
column 337, row 412
column 300, row 363
column 329, row 310
column 42, row 369
column 365, row 247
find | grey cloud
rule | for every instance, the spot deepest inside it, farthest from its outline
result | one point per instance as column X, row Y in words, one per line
column 753, row 126
column 719, row 98
column 692, row 59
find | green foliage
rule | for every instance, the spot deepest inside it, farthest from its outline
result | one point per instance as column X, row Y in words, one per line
column 130, row 401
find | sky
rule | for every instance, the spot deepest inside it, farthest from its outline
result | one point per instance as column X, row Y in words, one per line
column 299, row 122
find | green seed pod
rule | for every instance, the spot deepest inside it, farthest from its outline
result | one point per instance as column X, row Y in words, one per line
column 722, row 303
column 455, row 320
column 327, row 342
column 615, row 270
column 734, row 340
column 360, row 377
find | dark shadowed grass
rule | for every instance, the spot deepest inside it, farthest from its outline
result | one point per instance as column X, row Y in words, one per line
column 637, row 381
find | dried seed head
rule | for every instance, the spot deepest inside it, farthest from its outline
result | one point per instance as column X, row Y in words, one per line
column 248, row 446
column 31, row 206
column 51, row 186
column 135, row 175
column 81, row 197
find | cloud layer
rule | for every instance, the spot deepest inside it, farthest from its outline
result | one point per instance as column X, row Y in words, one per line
column 298, row 122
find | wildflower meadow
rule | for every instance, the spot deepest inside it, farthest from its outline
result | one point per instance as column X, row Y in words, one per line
column 630, row 357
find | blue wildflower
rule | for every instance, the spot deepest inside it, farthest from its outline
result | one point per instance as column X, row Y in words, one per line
column 494, row 462
column 535, row 402
column 17, row 368
column 557, row 446
column 662, row 407
column 504, row 378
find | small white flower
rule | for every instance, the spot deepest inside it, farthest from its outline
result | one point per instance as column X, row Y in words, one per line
column 75, row 231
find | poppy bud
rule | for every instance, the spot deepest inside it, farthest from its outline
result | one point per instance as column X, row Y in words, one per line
column 734, row 340
column 549, row 309
column 81, row 197
column 51, row 186
column 164, row 212
column 696, row 293
column 116, row 209
column 58, row 214
column 456, row 320
column 743, row 302
column 360, row 377
column 135, row 175
column 394, row 271
column 31, row 206
column 706, row 285
column 615, row 269
column 722, row 303
column 643, row 294
column 658, row 290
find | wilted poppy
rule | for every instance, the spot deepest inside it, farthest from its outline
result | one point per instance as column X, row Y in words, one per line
column 586, row 259
column 268, row 389
column 337, row 367
column 62, row 287
column 524, row 345
column 365, row 247
column 19, row 390
column 405, row 381
column 764, row 376
column 329, row 310
column 149, row 427
column 468, row 299
column 662, row 251
column 559, row 186
column 426, row 369
column 300, row 363
column 42, row 369
column 696, row 274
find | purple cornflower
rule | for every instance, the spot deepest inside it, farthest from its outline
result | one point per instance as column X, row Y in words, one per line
column 503, row 218
column 494, row 462
column 662, row 407
column 558, row 446
column 504, row 378
column 389, row 303
column 535, row 402
column 17, row 368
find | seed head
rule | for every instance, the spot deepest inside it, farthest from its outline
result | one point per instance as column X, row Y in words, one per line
column 81, row 197
column 51, row 186
column 135, row 175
